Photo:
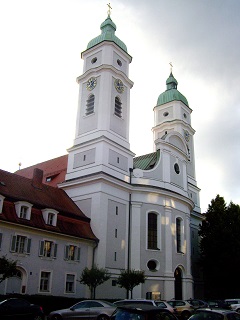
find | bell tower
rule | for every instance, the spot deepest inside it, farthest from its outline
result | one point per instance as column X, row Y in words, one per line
column 173, row 133
column 101, row 141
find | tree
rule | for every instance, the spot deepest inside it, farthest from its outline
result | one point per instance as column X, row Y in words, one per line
column 220, row 249
column 129, row 279
column 93, row 278
column 7, row 268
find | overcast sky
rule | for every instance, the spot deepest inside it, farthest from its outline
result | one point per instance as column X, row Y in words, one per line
column 40, row 59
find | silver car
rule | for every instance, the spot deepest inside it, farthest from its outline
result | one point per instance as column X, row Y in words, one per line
column 86, row 309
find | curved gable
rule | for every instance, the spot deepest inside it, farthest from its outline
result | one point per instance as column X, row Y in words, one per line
column 177, row 140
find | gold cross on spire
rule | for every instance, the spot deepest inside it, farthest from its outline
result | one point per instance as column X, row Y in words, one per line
column 109, row 9
column 171, row 66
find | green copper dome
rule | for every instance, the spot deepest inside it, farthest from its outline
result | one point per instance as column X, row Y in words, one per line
column 171, row 94
column 108, row 28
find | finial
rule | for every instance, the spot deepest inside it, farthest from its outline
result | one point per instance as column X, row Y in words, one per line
column 171, row 66
column 19, row 166
column 109, row 9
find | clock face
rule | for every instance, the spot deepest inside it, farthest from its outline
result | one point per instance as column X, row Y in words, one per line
column 119, row 85
column 91, row 83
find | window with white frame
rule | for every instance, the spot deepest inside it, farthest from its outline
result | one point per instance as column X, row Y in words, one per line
column 23, row 209
column 20, row 244
column 152, row 236
column 179, row 235
column 72, row 253
column 23, row 212
column 70, row 283
column 50, row 216
column 1, row 202
column 45, row 281
column 48, row 249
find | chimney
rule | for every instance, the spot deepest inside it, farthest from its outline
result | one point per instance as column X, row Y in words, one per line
column 37, row 178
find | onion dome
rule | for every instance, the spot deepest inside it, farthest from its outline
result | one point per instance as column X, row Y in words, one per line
column 171, row 94
column 108, row 28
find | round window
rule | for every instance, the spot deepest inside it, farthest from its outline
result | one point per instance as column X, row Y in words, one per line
column 176, row 168
column 165, row 114
column 153, row 265
column 94, row 60
column 119, row 62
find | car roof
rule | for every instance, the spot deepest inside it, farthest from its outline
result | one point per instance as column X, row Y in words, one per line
column 220, row 311
column 142, row 308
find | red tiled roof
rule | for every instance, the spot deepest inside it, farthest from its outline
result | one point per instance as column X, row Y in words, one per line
column 71, row 220
column 55, row 169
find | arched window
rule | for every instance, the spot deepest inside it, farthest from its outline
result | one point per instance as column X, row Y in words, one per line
column 90, row 104
column 118, row 107
column 152, row 231
column 179, row 235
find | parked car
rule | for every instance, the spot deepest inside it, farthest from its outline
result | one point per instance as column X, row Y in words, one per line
column 142, row 312
column 233, row 304
column 16, row 309
column 156, row 303
column 86, row 309
column 184, row 309
column 216, row 314
column 198, row 303
column 217, row 304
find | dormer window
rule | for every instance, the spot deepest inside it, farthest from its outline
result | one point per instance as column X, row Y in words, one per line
column 23, row 212
column 50, row 216
column 23, row 209
column 1, row 202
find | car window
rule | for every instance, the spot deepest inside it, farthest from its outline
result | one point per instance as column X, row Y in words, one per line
column 231, row 301
column 95, row 304
column 83, row 304
column 171, row 303
column 161, row 304
column 16, row 303
column 179, row 303
column 193, row 302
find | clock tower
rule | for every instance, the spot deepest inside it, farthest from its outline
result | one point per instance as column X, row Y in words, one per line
column 102, row 130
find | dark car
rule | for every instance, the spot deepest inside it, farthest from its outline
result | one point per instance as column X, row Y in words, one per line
column 143, row 312
column 16, row 309
column 139, row 302
column 86, row 309
column 217, row 304
column 216, row 314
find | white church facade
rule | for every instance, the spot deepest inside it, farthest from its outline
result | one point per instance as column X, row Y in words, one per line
column 144, row 211
column 141, row 207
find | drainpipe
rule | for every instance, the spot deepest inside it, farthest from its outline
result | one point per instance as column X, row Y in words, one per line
column 94, row 249
column 129, row 224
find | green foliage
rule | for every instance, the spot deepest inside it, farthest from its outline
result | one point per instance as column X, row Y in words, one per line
column 220, row 249
column 129, row 279
column 7, row 268
column 93, row 278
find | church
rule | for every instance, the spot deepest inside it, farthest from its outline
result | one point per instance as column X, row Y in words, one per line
column 99, row 204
